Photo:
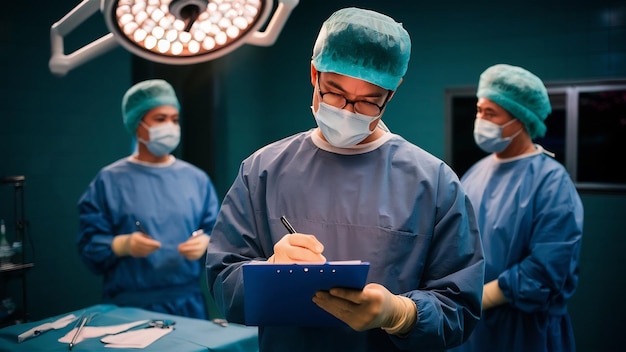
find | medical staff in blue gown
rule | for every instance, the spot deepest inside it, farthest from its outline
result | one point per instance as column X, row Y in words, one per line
column 145, row 219
column 530, row 217
column 355, row 191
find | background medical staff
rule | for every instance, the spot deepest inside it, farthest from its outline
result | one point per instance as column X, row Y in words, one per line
column 145, row 219
column 354, row 190
column 530, row 218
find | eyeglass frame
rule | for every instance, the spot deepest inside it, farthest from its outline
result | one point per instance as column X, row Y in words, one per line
column 353, row 102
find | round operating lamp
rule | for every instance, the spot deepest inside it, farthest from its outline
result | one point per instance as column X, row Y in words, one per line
column 183, row 31
column 171, row 31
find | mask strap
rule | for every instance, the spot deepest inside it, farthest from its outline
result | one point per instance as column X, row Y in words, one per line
column 144, row 125
column 508, row 123
column 514, row 134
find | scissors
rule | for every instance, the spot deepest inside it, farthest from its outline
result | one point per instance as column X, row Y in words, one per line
column 161, row 324
column 155, row 323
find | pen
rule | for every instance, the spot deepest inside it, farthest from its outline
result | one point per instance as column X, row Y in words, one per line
column 82, row 323
column 288, row 226
column 141, row 229
column 197, row 233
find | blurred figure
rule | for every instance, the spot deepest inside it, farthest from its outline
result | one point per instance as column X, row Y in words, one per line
column 354, row 190
column 145, row 219
column 530, row 217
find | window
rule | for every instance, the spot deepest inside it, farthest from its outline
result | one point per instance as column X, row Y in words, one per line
column 586, row 131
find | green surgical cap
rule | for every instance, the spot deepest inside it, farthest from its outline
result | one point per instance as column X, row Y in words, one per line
column 363, row 44
column 143, row 97
column 519, row 92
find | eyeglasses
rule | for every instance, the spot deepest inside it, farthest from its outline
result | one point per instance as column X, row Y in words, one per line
column 363, row 107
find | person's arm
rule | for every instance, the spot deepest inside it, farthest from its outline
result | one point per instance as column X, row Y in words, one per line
column 370, row 308
column 211, row 207
column 136, row 244
column 443, row 311
column 448, row 299
column 195, row 247
column 547, row 276
column 95, row 235
column 234, row 241
column 492, row 295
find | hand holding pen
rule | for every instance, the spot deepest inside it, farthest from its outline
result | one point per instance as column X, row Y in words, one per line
column 297, row 247
column 140, row 243
column 136, row 244
column 195, row 247
column 141, row 229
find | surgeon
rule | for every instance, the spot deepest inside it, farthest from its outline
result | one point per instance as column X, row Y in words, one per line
column 530, row 217
column 145, row 219
column 354, row 190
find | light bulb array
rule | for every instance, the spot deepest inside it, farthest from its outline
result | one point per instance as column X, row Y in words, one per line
column 175, row 32
column 151, row 25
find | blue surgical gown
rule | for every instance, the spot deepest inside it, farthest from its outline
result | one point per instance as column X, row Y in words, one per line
column 170, row 202
column 395, row 206
column 531, row 220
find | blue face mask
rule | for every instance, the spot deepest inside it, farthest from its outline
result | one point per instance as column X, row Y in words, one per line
column 488, row 136
column 342, row 128
column 163, row 138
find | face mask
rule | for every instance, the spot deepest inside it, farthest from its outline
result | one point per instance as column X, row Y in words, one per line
column 342, row 128
column 488, row 136
column 163, row 138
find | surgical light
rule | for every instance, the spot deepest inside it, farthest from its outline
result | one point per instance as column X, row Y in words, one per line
column 176, row 32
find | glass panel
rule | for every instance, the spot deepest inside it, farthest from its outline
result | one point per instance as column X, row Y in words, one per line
column 465, row 153
column 602, row 136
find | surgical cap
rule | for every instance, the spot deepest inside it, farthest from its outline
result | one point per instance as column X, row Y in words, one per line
column 519, row 92
column 143, row 97
column 363, row 44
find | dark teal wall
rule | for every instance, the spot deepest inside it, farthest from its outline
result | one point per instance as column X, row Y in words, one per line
column 59, row 132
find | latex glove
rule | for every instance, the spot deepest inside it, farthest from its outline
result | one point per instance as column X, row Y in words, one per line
column 492, row 295
column 298, row 248
column 195, row 247
column 372, row 307
column 136, row 244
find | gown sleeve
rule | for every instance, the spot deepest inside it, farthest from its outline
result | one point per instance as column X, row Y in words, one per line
column 95, row 228
column 544, row 279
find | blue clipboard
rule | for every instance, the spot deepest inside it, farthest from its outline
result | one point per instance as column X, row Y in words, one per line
column 280, row 294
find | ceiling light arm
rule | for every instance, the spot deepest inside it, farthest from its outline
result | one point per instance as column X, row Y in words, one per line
column 209, row 38
column 275, row 26
column 60, row 63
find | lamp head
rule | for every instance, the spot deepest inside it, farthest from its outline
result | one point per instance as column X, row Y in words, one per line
column 176, row 32
column 183, row 31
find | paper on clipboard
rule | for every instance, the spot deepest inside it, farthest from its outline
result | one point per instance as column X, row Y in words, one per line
column 281, row 294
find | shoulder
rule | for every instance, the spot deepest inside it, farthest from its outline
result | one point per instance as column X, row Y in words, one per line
column 287, row 147
column 398, row 144
column 481, row 164
column 185, row 165
column 545, row 166
column 183, row 168
column 402, row 151
column 118, row 166
column 290, row 142
column 553, row 179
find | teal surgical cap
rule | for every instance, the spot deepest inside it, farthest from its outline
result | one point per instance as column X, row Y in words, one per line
column 143, row 97
column 363, row 44
column 519, row 92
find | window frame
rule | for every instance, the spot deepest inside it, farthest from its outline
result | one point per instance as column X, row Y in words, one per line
column 571, row 92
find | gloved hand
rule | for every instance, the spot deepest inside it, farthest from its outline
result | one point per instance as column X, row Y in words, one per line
column 492, row 295
column 136, row 244
column 298, row 248
column 195, row 247
column 372, row 307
